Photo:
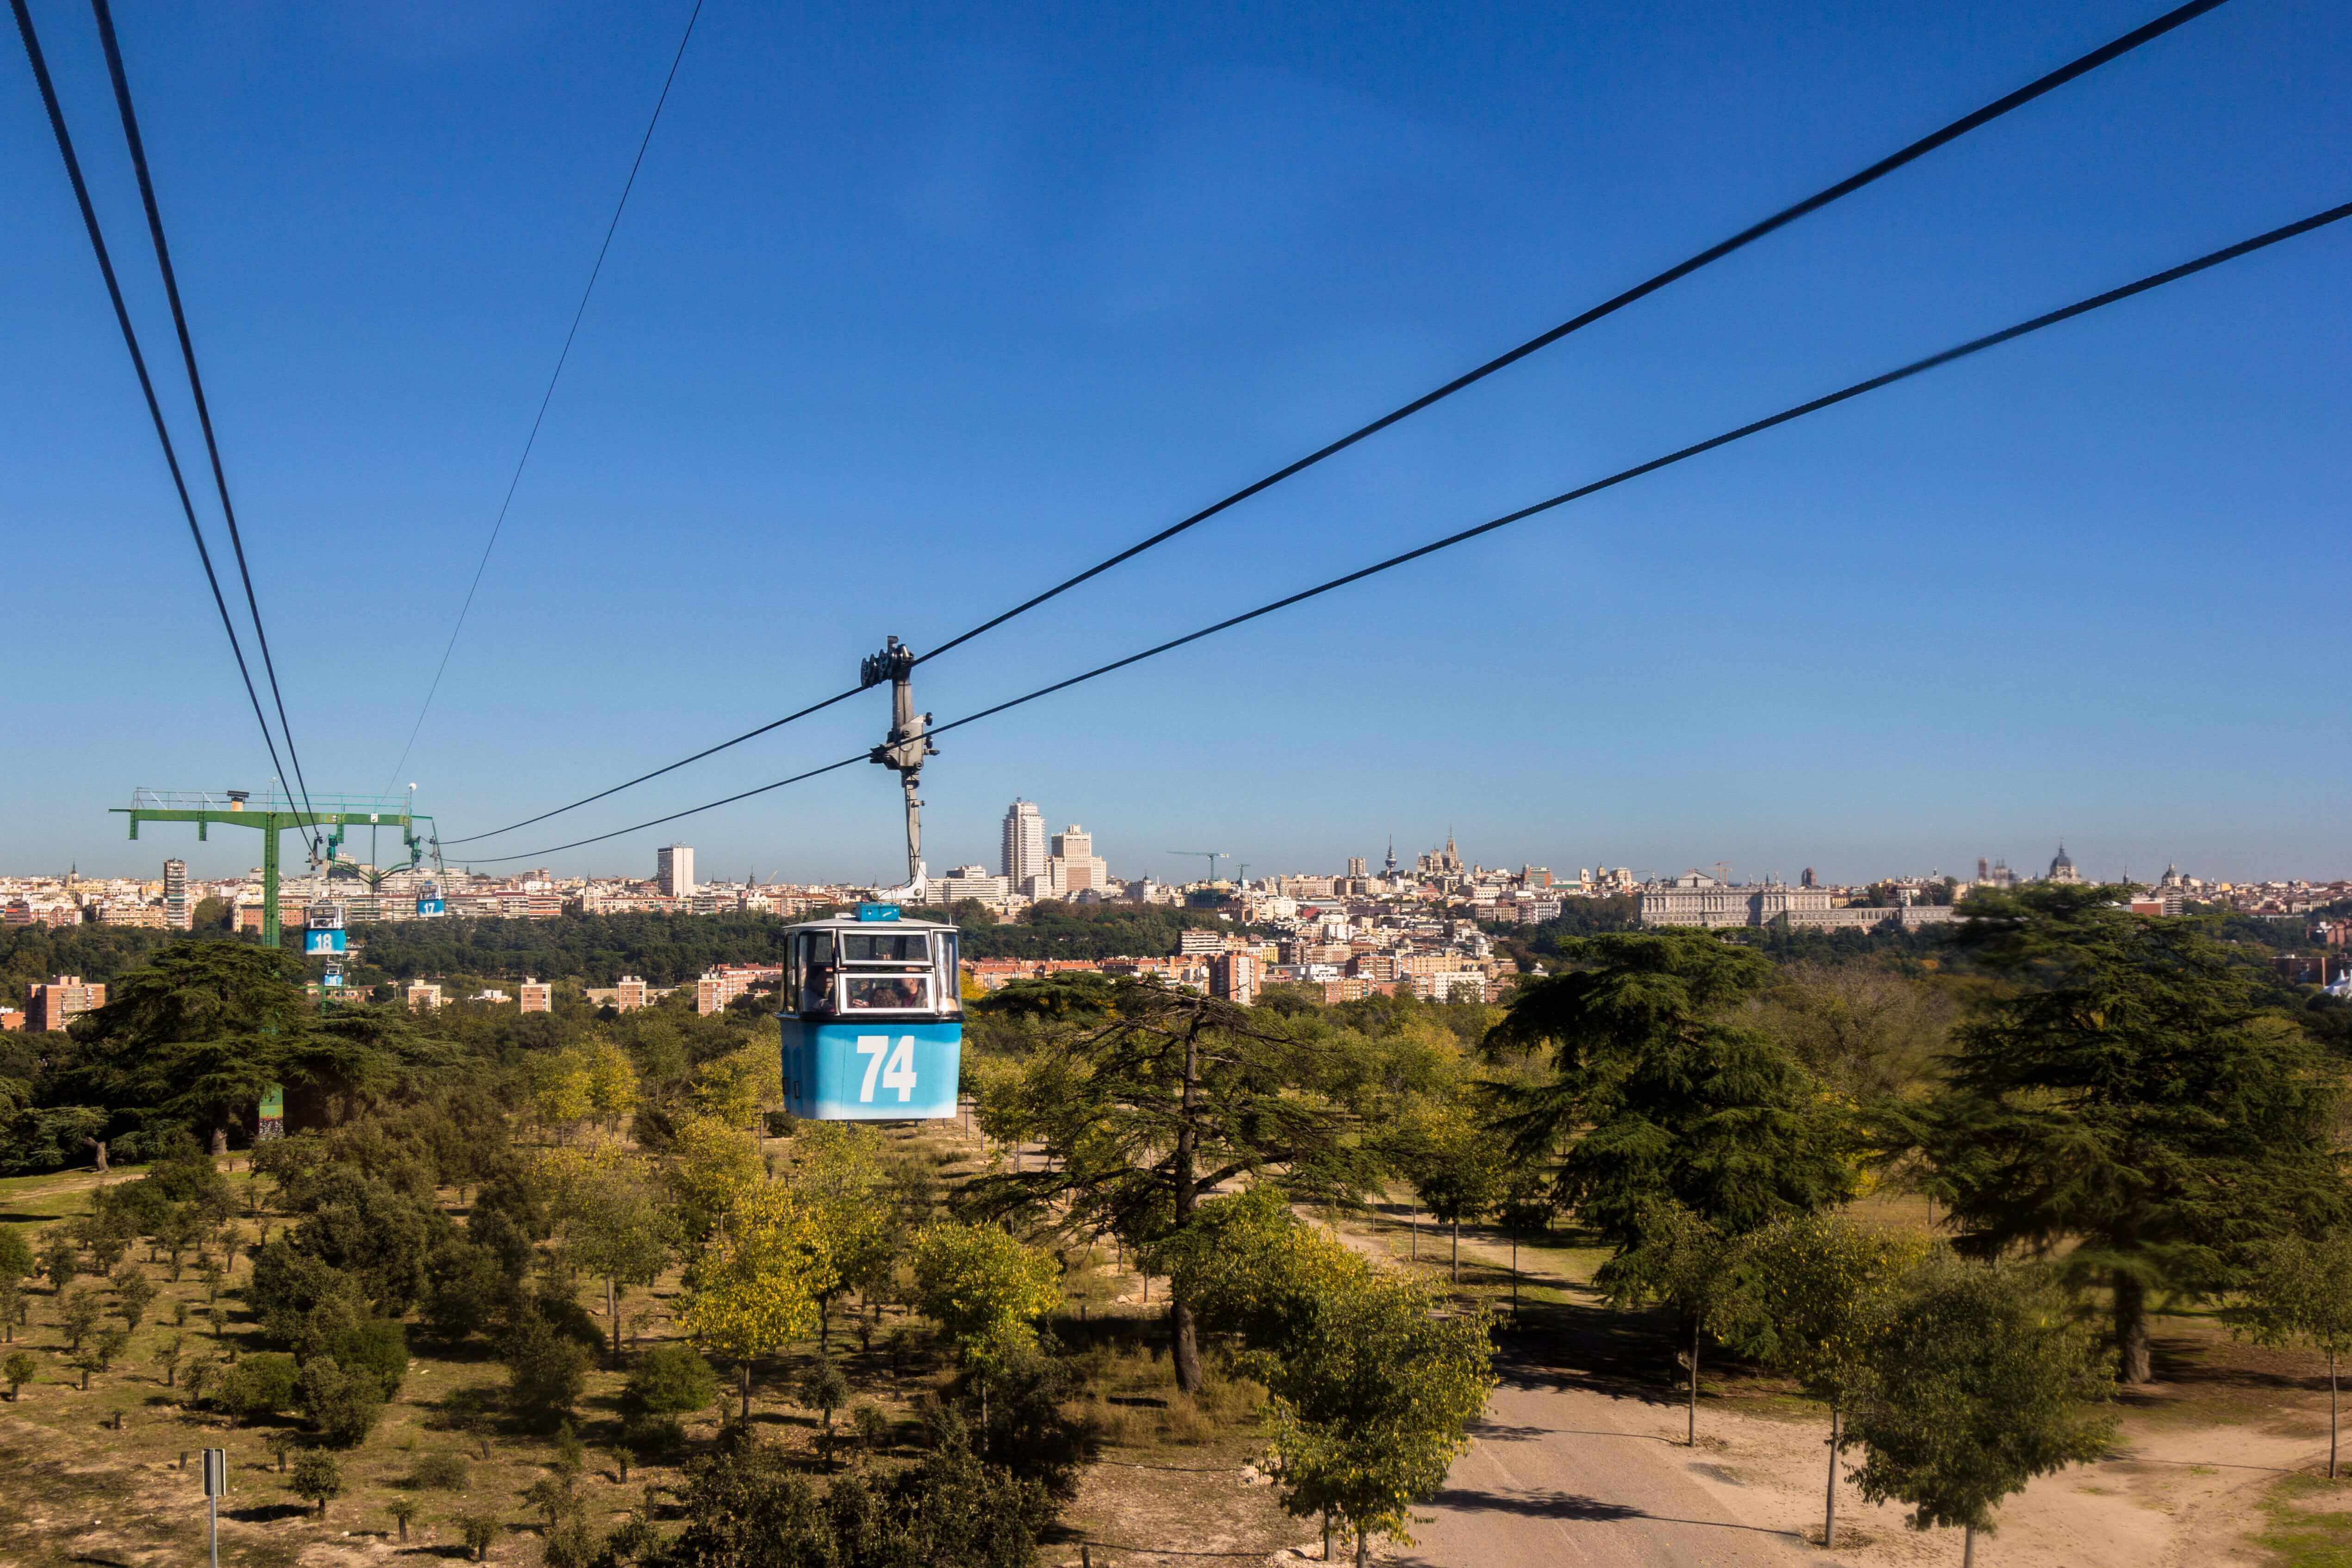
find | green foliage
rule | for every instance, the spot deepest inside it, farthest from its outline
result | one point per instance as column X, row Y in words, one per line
column 1370, row 1406
column 260, row 1384
column 2299, row 1292
column 1659, row 1092
column 1863, row 1027
column 17, row 1370
column 746, row 1506
column 341, row 1405
column 318, row 1477
column 443, row 1470
column 1147, row 1113
column 468, row 1288
column 15, row 1254
column 78, row 1315
column 374, row 1347
column 1982, row 1381
column 1059, row 930
column 134, row 1294
column 984, row 1288
column 2133, row 1105
column 545, row 1371
column 1818, row 1294
column 669, row 1381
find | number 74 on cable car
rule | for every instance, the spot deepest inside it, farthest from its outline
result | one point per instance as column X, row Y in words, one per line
column 872, row 1018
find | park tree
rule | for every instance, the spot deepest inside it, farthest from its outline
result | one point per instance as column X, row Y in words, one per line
column 15, row 1255
column 134, row 1294
column 546, row 1370
column 17, row 1370
column 1458, row 1170
column 668, row 1381
column 341, row 1405
column 1983, row 1380
column 711, row 1166
column 1371, row 1390
column 753, row 1288
column 2132, row 1105
column 1370, row 1406
column 1818, row 1294
column 1682, row 1262
column 987, row 1291
column 61, row 1262
column 318, row 1477
column 614, row 1226
column 2299, row 1292
column 837, row 1176
column 78, row 1315
column 1149, row 1107
column 13, row 1309
column 1660, row 1090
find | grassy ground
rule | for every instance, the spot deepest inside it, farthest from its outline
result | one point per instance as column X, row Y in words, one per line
column 2306, row 1524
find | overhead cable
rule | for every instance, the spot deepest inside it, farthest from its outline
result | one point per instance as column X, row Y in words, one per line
column 138, row 360
column 547, row 397
column 1916, row 149
column 672, row 767
column 1843, row 394
column 105, row 16
column 1681, row 269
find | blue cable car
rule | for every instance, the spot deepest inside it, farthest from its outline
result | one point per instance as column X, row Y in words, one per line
column 873, row 1018
column 323, row 934
column 428, row 900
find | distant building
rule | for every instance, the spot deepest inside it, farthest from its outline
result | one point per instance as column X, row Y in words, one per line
column 1233, row 977
column 1355, row 865
column 423, row 998
column 1696, row 898
column 535, row 996
column 178, row 915
column 1194, row 939
column 971, row 881
column 1024, row 844
column 674, row 870
column 1073, row 866
column 2063, row 872
column 62, row 1000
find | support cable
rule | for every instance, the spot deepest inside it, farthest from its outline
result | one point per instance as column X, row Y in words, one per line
column 138, row 360
column 548, row 397
column 1858, row 389
column 105, row 16
column 2081, row 66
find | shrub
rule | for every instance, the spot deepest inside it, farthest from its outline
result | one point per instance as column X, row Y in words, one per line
column 377, row 1346
column 340, row 1405
column 260, row 1385
column 480, row 1529
column 545, row 1372
column 17, row 1372
column 469, row 1290
column 669, row 1380
column 318, row 1477
column 443, row 1470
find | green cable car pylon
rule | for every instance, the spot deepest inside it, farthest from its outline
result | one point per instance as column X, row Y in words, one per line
column 271, row 815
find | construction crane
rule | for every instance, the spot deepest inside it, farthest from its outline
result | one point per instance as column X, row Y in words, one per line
column 1212, row 856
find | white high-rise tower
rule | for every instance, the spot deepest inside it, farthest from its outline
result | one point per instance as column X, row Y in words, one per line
column 674, row 867
column 1025, row 842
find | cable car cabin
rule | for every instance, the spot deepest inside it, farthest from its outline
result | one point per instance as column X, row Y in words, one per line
column 873, row 1018
column 322, row 930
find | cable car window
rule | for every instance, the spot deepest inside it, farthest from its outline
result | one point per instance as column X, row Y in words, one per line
column 880, row 993
column 896, row 947
column 949, row 976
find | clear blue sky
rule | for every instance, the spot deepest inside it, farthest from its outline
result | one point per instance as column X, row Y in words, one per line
column 918, row 308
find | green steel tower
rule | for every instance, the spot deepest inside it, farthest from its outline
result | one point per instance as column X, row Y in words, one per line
column 272, row 815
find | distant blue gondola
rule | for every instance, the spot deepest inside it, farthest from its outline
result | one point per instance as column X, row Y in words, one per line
column 872, row 1019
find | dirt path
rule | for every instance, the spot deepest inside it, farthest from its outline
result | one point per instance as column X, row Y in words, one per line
column 1575, row 1465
